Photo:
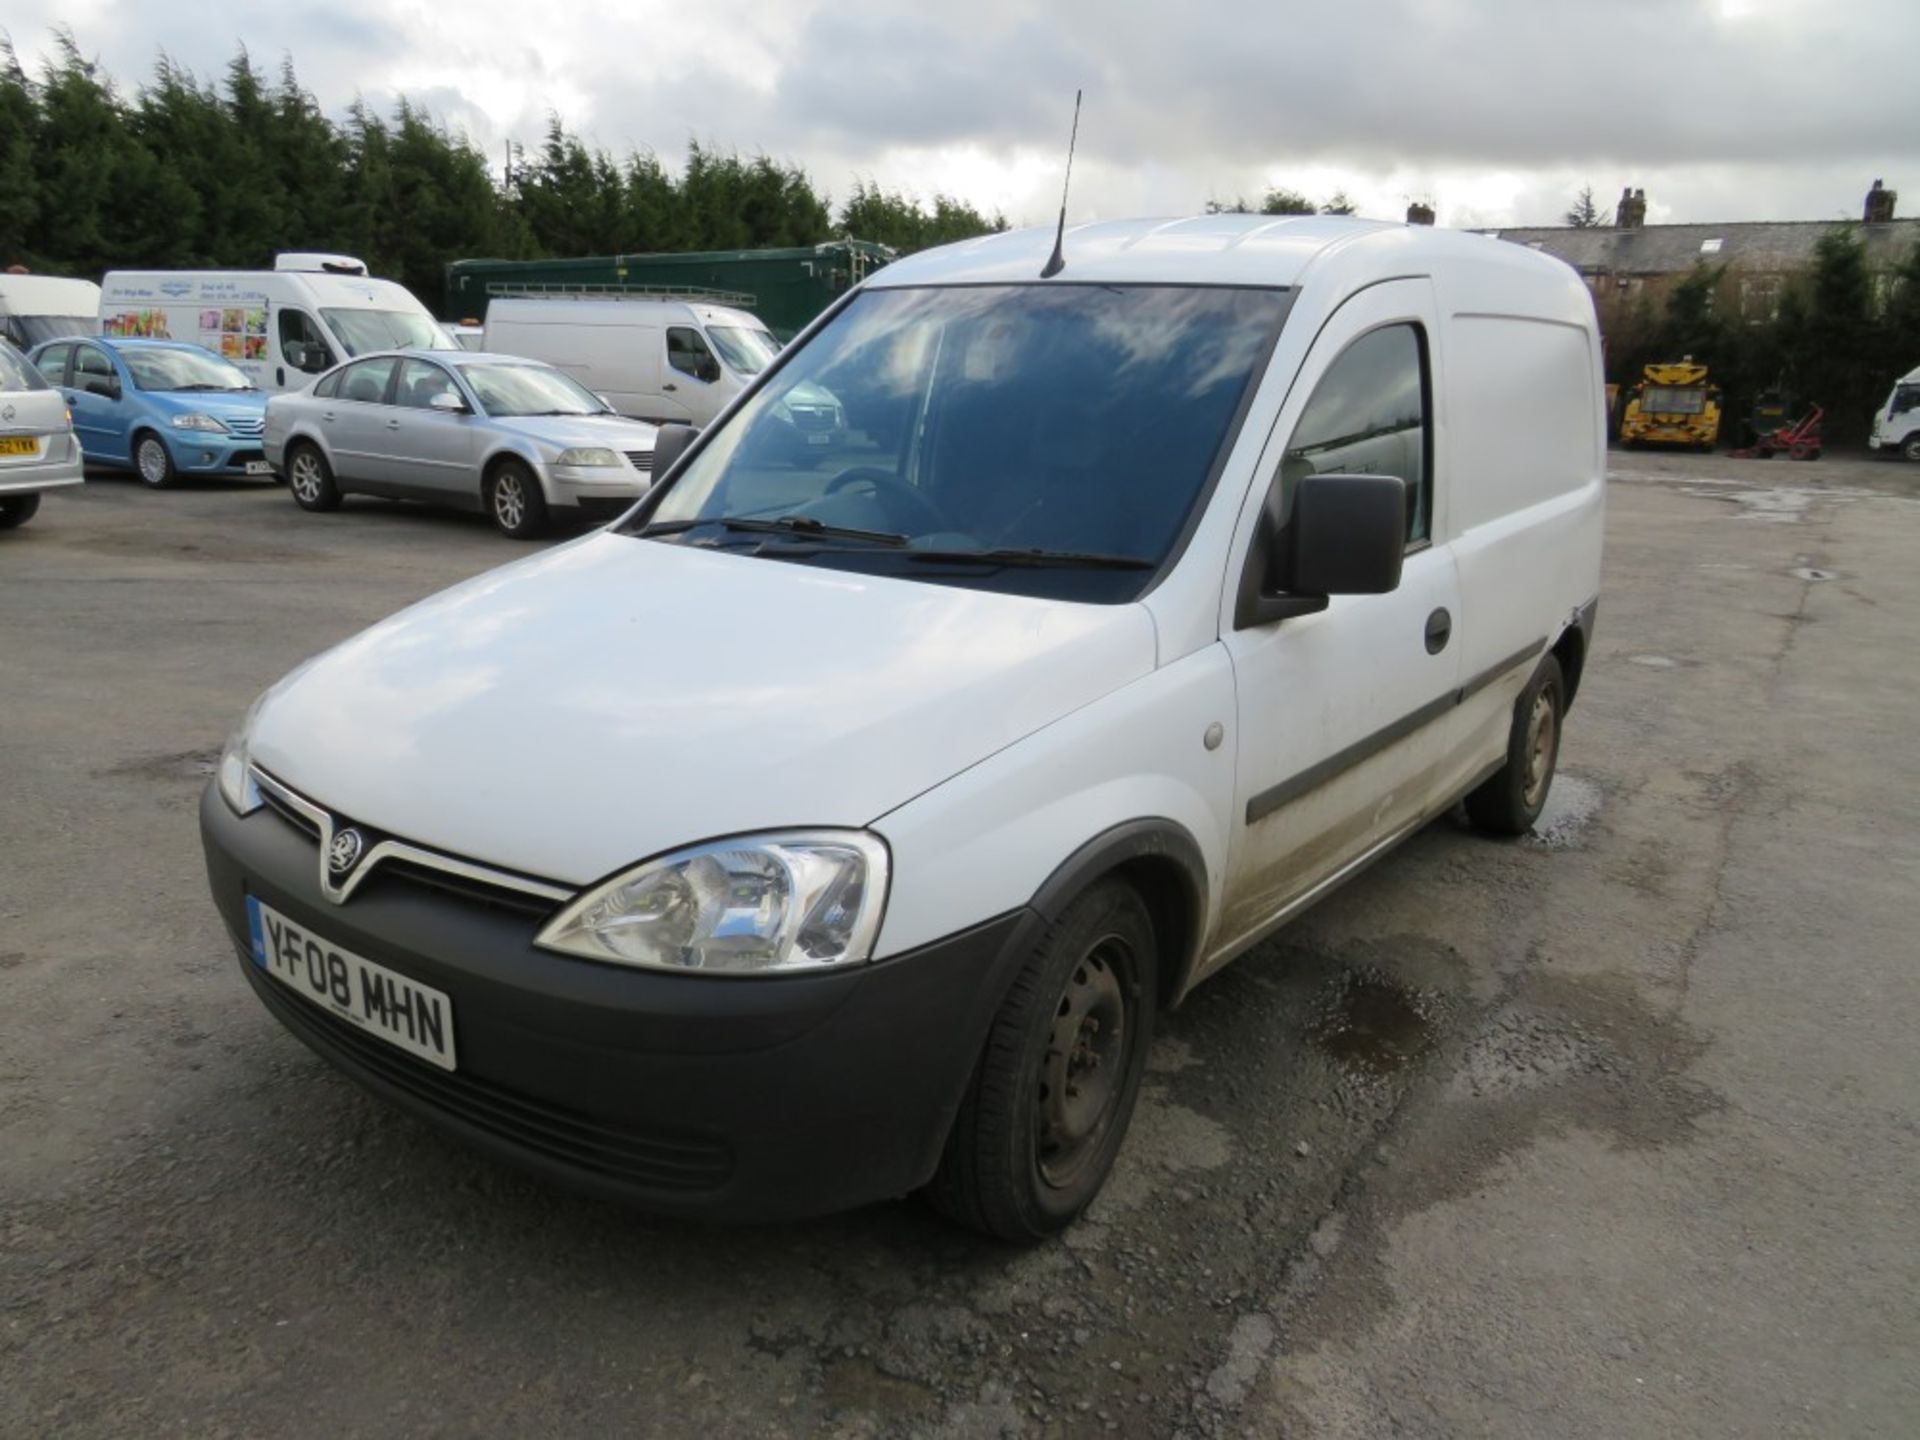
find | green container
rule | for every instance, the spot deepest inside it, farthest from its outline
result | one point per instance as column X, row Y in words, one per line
column 785, row 288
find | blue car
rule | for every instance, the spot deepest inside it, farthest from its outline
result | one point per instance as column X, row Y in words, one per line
column 160, row 408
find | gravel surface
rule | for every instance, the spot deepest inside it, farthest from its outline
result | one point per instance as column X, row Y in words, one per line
column 1607, row 1131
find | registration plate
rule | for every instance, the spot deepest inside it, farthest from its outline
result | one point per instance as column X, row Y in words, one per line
column 19, row 445
column 819, row 439
column 259, row 467
column 402, row 1012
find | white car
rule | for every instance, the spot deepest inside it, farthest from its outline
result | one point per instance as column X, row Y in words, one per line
column 38, row 449
column 512, row 438
column 815, row 836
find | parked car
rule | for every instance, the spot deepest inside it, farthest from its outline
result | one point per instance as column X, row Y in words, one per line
column 282, row 326
column 38, row 450
column 664, row 360
column 158, row 407
column 1896, row 424
column 510, row 437
column 809, row 837
column 35, row 308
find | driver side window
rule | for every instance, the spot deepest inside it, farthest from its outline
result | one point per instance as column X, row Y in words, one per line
column 687, row 352
column 1368, row 416
column 301, row 344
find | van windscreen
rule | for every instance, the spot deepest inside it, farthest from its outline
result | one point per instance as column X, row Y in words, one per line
column 365, row 330
column 1042, row 439
column 747, row 352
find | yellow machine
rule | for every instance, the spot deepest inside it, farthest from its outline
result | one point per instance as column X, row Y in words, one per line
column 1673, row 405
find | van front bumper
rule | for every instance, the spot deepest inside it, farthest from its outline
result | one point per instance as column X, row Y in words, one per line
column 734, row 1099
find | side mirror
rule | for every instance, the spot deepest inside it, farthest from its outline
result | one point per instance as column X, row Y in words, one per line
column 448, row 403
column 669, row 444
column 1346, row 536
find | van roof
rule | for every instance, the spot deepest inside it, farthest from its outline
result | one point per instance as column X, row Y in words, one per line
column 609, row 309
column 177, row 287
column 48, row 295
column 1206, row 249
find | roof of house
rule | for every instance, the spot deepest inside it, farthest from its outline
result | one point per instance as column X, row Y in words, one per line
column 1749, row 244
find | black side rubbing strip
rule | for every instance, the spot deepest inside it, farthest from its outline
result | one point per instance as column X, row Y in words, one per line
column 1318, row 774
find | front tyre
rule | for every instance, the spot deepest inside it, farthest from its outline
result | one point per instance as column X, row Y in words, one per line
column 514, row 501
column 1510, row 802
column 310, row 479
column 1056, row 1083
column 153, row 462
column 16, row 510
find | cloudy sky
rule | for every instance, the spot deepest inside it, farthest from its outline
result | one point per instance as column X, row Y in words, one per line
column 1496, row 110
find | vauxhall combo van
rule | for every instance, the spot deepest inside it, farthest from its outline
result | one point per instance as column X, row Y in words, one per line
column 813, row 835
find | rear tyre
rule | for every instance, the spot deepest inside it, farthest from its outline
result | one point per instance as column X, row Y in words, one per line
column 1513, row 798
column 514, row 501
column 152, row 461
column 16, row 510
column 1056, row 1083
column 310, row 479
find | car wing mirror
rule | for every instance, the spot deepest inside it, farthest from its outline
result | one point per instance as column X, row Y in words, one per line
column 670, row 442
column 1345, row 535
column 448, row 404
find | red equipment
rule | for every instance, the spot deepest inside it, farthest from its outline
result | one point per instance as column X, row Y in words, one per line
column 1798, row 441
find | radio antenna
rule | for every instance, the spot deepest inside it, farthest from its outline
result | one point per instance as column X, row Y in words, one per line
column 1058, row 260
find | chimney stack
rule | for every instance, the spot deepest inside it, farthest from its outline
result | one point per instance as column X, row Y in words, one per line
column 1632, row 213
column 1880, row 202
column 1419, row 213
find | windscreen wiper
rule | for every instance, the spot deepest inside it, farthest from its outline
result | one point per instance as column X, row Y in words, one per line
column 1041, row 559
column 804, row 525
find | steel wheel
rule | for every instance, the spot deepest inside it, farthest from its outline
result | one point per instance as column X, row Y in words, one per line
column 1911, row 449
column 1080, row 1080
column 1543, row 728
column 151, row 459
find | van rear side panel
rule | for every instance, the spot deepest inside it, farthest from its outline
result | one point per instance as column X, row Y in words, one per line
column 616, row 357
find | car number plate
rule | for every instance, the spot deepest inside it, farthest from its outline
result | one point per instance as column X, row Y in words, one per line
column 20, row 445
column 259, row 467
column 819, row 439
column 403, row 1012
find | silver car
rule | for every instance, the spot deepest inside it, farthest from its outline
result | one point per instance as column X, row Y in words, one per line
column 38, row 450
column 514, row 438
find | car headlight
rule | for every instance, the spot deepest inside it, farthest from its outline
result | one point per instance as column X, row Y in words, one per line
column 235, row 775
column 197, row 421
column 774, row 904
column 588, row 457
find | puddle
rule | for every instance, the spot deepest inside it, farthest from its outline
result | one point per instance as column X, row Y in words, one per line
column 1571, row 805
column 1652, row 662
column 1373, row 1026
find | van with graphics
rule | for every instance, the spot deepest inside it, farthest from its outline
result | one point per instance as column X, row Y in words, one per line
column 817, row 834
column 282, row 326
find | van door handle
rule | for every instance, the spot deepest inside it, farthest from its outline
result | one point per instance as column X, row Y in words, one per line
column 1439, row 630
column 669, row 386
column 280, row 376
column 393, row 424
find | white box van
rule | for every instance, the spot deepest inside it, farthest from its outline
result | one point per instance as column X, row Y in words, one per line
column 36, row 308
column 856, row 821
column 1896, row 424
column 663, row 360
column 281, row 326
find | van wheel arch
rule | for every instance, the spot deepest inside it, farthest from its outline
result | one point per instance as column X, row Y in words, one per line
column 1571, row 651
column 1162, row 861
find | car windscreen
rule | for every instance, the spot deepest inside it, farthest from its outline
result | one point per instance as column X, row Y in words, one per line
column 362, row 331
column 182, row 370
column 1041, row 439
column 747, row 352
column 31, row 330
column 16, row 373
column 505, row 390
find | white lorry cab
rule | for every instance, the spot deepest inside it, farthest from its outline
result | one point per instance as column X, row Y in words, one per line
column 659, row 359
column 816, row 834
column 1896, row 424
column 37, row 308
column 282, row 326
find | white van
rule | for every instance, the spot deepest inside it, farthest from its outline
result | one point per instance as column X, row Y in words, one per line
column 1896, row 424
column 282, row 326
column 814, row 835
column 36, row 308
column 662, row 360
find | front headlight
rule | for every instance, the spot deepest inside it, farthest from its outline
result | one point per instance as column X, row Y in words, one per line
column 757, row 905
column 197, row 421
column 588, row 457
column 236, row 780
